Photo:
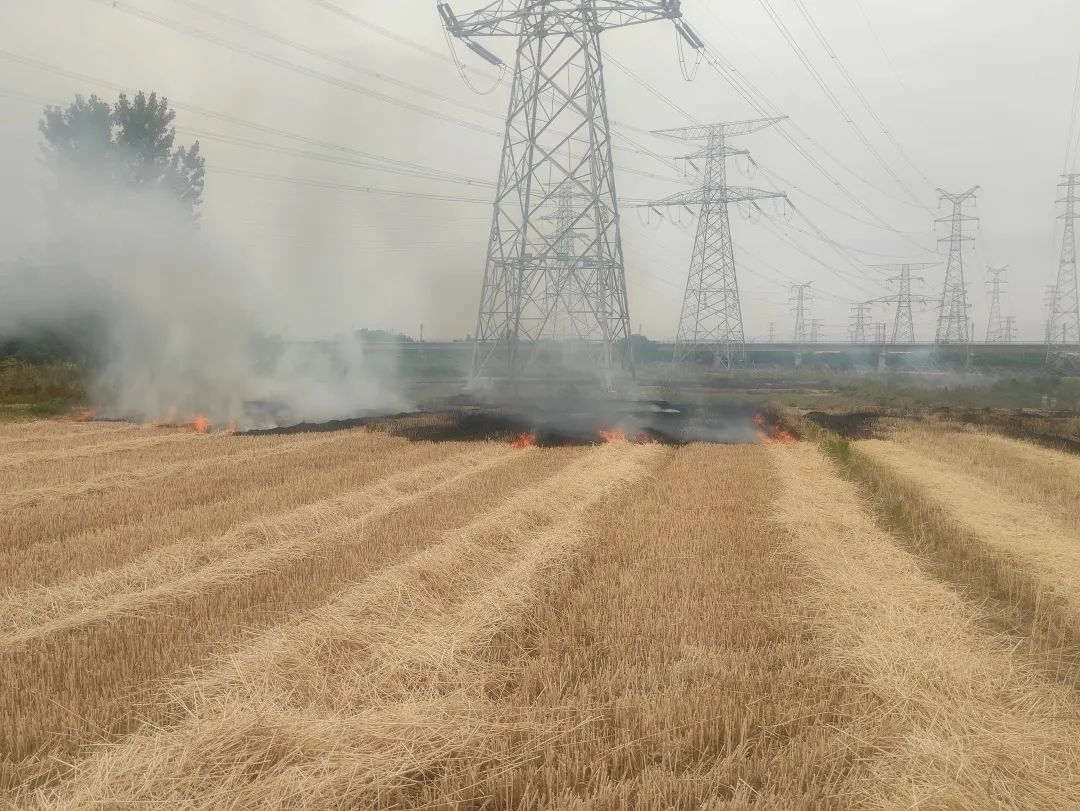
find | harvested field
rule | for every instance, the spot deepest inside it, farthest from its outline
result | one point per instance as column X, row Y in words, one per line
column 364, row 618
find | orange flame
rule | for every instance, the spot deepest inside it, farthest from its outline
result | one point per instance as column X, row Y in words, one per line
column 86, row 415
column 526, row 440
column 231, row 428
column 617, row 435
column 772, row 434
column 200, row 425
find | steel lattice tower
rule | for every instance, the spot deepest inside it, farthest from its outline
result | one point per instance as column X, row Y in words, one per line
column 799, row 298
column 1064, row 316
column 564, row 298
column 952, row 326
column 995, row 326
column 860, row 316
column 711, row 316
column 558, row 138
column 903, row 331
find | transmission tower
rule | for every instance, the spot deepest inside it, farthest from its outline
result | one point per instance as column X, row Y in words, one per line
column 1064, row 317
column 903, row 331
column 558, row 136
column 1010, row 330
column 800, row 297
column 563, row 297
column 860, row 318
column 995, row 326
column 952, row 326
column 711, row 315
column 815, row 329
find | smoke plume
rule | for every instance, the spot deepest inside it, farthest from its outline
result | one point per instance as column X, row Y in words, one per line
column 174, row 325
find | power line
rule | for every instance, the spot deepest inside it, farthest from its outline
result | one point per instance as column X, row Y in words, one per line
column 385, row 164
column 1073, row 141
column 765, row 107
column 329, row 57
column 855, row 88
column 386, row 32
column 880, row 44
column 834, row 99
column 294, row 67
column 326, row 184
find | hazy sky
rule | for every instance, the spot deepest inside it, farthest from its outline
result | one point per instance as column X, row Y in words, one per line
column 974, row 92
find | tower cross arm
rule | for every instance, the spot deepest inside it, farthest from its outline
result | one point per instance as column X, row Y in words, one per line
column 958, row 217
column 955, row 198
column 702, row 132
column 505, row 17
column 728, row 194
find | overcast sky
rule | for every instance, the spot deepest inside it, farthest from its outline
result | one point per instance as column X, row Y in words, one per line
column 974, row 91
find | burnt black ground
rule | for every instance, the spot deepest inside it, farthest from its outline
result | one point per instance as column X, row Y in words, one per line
column 558, row 422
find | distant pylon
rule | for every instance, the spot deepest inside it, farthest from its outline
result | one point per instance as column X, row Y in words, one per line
column 800, row 297
column 903, row 328
column 1064, row 318
column 952, row 325
column 772, row 332
column 815, row 330
column 711, row 316
column 557, row 135
column 860, row 317
column 1010, row 329
column 995, row 326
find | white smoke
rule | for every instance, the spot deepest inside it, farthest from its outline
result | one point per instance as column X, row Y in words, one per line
column 181, row 327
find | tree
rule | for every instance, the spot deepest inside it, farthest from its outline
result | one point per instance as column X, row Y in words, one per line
column 130, row 145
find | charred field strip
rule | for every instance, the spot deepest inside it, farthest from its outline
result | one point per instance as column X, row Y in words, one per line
column 562, row 424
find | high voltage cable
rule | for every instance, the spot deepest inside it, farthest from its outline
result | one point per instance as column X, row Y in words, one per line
column 880, row 44
column 751, row 95
column 1071, row 142
column 392, row 165
column 855, row 88
column 419, row 171
column 729, row 67
column 839, row 248
column 325, row 184
column 788, row 184
column 325, row 77
column 786, row 238
column 196, row 33
column 407, row 167
column 329, row 57
column 834, row 99
column 386, row 32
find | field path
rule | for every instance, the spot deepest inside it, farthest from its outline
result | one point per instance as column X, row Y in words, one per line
column 960, row 722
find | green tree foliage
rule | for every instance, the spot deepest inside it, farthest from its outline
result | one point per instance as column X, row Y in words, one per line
column 91, row 146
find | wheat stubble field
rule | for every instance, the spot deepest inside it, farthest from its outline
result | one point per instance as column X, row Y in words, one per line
column 355, row 619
